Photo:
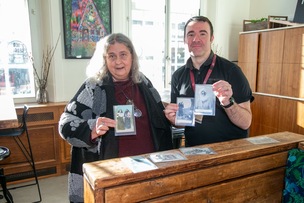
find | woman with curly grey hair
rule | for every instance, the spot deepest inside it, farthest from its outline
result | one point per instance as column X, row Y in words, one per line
column 88, row 122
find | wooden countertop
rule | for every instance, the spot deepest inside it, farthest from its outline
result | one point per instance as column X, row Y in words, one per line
column 8, row 116
column 33, row 104
column 113, row 172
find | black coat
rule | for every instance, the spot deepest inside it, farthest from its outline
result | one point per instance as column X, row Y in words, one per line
column 95, row 99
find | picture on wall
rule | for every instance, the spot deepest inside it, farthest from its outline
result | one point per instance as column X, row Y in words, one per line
column 85, row 22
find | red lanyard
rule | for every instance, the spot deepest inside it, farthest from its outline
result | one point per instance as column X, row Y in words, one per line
column 207, row 75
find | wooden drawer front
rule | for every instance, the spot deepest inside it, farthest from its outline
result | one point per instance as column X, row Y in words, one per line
column 260, row 188
column 175, row 184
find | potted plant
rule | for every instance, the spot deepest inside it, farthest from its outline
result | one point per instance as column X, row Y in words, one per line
column 257, row 24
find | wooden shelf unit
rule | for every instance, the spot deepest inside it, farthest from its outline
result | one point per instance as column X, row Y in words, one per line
column 272, row 61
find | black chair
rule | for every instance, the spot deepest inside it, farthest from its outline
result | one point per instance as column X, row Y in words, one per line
column 4, row 153
column 16, row 133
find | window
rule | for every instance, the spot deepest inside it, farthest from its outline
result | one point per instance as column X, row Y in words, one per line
column 157, row 31
column 16, row 73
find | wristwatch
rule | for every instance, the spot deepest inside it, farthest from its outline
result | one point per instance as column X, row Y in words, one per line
column 231, row 100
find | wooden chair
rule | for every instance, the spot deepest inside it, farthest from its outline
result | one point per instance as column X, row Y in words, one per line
column 26, row 148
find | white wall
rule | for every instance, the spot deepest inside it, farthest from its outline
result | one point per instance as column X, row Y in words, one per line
column 227, row 18
column 67, row 75
column 261, row 8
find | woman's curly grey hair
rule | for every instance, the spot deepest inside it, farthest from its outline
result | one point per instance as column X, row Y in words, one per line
column 97, row 66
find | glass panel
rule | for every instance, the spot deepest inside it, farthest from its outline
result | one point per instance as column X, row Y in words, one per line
column 160, row 57
column 16, row 73
column 178, row 17
column 148, row 31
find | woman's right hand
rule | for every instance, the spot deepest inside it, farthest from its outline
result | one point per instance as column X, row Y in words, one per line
column 170, row 112
column 103, row 124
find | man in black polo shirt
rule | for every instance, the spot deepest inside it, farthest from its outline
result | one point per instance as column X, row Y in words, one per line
column 233, row 113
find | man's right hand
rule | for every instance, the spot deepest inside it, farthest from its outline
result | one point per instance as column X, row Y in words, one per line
column 170, row 112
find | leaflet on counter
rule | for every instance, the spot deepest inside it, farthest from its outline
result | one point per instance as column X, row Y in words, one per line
column 196, row 150
column 138, row 164
column 167, row 156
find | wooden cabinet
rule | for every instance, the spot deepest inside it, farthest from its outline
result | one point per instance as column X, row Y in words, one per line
column 293, row 46
column 277, row 80
column 49, row 149
column 271, row 114
column 240, row 171
column 271, row 46
column 248, row 57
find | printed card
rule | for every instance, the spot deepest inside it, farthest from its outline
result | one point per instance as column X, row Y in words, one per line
column 167, row 156
column 196, row 150
column 125, row 120
column 185, row 113
column 204, row 100
column 262, row 140
column 138, row 164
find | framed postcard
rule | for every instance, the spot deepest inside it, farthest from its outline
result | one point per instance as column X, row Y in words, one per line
column 185, row 114
column 84, row 22
column 204, row 100
column 125, row 120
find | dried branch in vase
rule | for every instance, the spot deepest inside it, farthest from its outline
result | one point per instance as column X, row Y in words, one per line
column 41, row 79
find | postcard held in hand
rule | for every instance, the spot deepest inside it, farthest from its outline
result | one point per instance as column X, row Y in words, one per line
column 185, row 114
column 204, row 100
column 125, row 120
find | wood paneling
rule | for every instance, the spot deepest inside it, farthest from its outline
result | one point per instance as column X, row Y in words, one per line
column 279, row 93
column 269, row 78
column 247, row 59
column 271, row 46
column 294, row 46
column 287, row 115
column 46, row 144
column 292, row 80
column 248, row 48
column 250, row 71
column 276, row 114
column 263, row 115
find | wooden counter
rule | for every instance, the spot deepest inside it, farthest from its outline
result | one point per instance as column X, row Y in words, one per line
column 239, row 172
column 8, row 116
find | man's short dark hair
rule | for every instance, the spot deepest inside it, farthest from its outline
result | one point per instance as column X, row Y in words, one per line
column 198, row 19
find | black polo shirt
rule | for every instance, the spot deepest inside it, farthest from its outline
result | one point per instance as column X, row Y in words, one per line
column 216, row 128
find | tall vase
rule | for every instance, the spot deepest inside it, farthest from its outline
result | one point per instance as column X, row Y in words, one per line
column 41, row 95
